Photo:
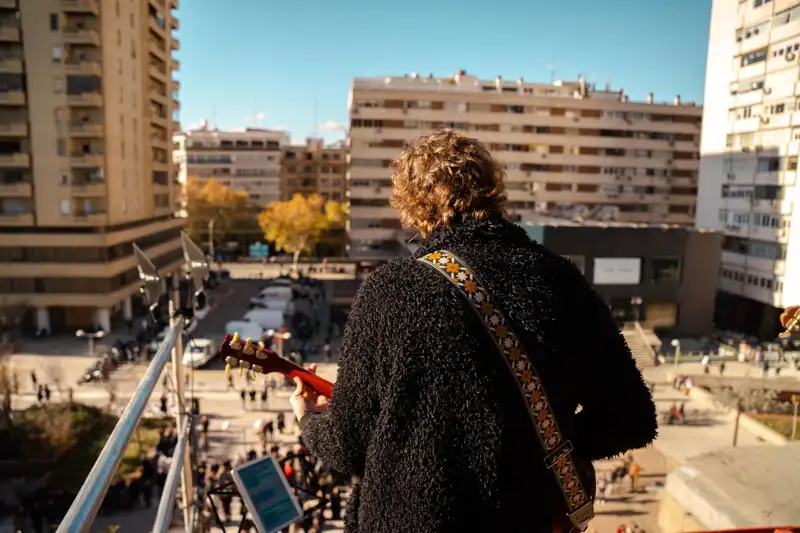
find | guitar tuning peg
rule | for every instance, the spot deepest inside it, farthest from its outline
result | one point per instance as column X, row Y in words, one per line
column 248, row 341
column 251, row 376
column 231, row 360
column 257, row 368
column 241, row 371
column 235, row 337
column 261, row 345
column 227, row 370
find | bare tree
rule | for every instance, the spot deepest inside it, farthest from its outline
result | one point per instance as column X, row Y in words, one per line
column 747, row 396
column 55, row 375
column 6, row 389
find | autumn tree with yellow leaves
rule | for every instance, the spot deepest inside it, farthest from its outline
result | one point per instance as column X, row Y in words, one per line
column 211, row 200
column 297, row 225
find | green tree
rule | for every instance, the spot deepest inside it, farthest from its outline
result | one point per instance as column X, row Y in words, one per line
column 297, row 225
column 211, row 202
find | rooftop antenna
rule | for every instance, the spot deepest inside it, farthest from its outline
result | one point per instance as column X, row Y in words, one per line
column 552, row 68
column 608, row 83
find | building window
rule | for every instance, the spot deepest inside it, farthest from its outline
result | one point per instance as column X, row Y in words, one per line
column 58, row 85
column 65, row 207
column 63, row 179
column 759, row 3
column 666, row 270
column 768, row 164
column 54, row 22
column 754, row 57
column 56, row 53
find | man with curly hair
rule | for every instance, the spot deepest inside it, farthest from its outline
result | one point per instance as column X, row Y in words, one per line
column 426, row 411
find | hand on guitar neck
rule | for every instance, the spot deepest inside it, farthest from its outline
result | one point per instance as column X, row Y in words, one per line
column 257, row 359
column 790, row 320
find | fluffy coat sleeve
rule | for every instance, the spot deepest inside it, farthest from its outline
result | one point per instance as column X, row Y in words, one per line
column 340, row 436
column 618, row 410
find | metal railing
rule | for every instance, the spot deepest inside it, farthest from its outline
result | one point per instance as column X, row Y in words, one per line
column 83, row 510
column 166, row 505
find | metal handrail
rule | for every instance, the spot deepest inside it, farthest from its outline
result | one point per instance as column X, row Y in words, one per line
column 83, row 510
column 166, row 504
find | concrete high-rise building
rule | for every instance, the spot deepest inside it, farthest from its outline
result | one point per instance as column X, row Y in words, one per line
column 247, row 160
column 748, row 169
column 565, row 145
column 87, row 100
column 314, row 168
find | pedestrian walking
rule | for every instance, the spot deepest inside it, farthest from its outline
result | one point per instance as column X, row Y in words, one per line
column 281, row 420
column 634, row 475
column 230, row 382
column 33, row 379
column 243, row 396
column 253, row 398
column 263, row 400
column 721, row 367
column 163, row 406
column 39, row 394
column 15, row 383
column 47, row 393
column 327, row 349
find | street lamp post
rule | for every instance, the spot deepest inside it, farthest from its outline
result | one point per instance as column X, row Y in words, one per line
column 81, row 334
column 677, row 344
column 211, row 238
column 796, row 404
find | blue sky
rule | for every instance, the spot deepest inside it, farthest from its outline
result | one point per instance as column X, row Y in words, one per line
column 289, row 64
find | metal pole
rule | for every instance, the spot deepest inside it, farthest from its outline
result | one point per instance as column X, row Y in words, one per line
column 796, row 402
column 677, row 357
column 181, row 419
column 211, row 238
column 166, row 504
column 84, row 509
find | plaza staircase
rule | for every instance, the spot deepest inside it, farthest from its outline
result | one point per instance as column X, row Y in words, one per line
column 640, row 343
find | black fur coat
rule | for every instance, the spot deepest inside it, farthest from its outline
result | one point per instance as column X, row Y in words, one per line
column 426, row 413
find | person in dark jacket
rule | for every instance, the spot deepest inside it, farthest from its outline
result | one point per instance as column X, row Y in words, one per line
column 425, row 411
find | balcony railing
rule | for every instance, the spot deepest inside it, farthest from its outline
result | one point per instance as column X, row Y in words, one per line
column 12, row 97
column 81, row 36
column 86, row 129
column 9, row 34
column 14, row 129
column 10, row 66
column 87, row 503
column 85, row 99
column 81, row 159
column 88, row 189
column 20, row 189
column 84, row 68
column 16, row 219
column 15, row 160
column 81, row 6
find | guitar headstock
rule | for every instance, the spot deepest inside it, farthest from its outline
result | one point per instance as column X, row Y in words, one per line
column 790, row 320
column 252, row 357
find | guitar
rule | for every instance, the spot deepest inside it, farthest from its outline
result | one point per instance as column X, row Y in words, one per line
column 790, row 320
column 255, row 358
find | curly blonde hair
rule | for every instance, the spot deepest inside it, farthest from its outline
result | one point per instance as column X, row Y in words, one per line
column 446, row 176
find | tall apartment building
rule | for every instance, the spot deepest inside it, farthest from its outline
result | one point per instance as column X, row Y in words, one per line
column 561, row 144
column 314, row 168
column 248, row 160
column 86, row 116
column 748, row 169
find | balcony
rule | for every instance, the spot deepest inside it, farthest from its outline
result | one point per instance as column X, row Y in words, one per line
column 86, row 129
column 158, row 72
column 160, row 188
column 81, row 36
column 158, row 142
column 85, row 100
column 20, row 189
column 158, row 96
column 11, row 66
column 12, row 97
column 91, row 7
column 16, row 219
column 15, row 160
column 175, row 64
column 82, row 160
column 173, row 4
column 158, row 118
column 16, row 128
column 88, row 189
column 90, row 218
column 175, row 44
column 84, row 68
column 173, row 22
column 158, row 26
column 9, row 34
column 8, row 4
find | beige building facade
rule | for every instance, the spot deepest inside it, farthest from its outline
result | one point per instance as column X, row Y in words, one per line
column 87, row 106
column 564, row 146
column 314, row 168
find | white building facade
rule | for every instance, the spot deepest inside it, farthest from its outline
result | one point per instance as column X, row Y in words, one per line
column 749, row 148
column 244, row 160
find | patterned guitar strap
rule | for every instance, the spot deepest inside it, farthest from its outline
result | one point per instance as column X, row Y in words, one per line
column 557, row 449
